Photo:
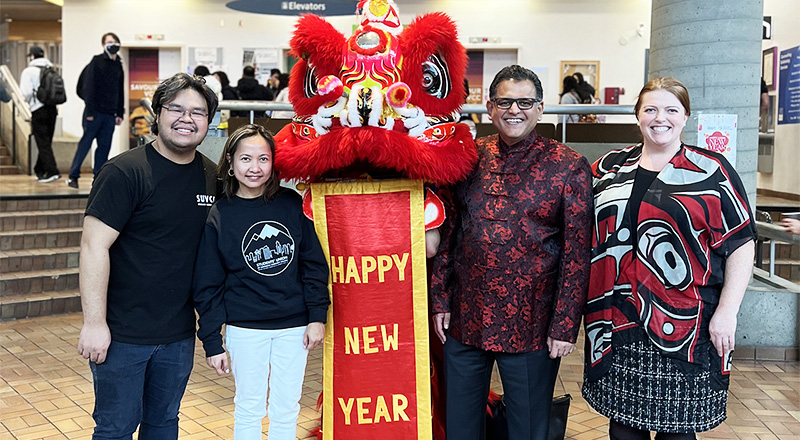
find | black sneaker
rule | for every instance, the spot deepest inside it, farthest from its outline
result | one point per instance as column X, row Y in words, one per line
column 49, row 178
column 72, row 183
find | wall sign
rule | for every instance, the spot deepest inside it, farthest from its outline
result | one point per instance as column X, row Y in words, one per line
column 789, row 87
column 296, row 7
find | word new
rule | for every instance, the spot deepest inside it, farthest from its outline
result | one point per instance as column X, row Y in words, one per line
column 355, row 271
column 353, row 344
column 381, row 410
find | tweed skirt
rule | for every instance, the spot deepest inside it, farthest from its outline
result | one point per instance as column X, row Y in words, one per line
column 648, row 391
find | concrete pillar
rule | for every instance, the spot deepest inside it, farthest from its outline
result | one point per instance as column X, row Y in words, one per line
column 714, row 49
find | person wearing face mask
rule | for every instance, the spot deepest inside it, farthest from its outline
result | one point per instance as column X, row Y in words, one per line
column 101, row 88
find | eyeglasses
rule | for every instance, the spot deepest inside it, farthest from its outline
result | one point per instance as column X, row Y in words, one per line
column 178, row 111
column 522, row 103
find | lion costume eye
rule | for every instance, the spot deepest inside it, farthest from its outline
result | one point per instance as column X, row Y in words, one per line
column 435, row 79
column 310, row 82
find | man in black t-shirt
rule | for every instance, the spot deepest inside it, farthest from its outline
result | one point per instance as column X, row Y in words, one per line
column 144, row 219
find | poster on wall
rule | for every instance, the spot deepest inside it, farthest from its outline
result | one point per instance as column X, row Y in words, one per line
column 143, row 74
column 262, row 59
column 210, row 57
column 474, row 76
column 789, row 87
column 718, row 133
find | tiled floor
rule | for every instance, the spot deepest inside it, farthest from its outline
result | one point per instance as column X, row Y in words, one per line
column 46, row 392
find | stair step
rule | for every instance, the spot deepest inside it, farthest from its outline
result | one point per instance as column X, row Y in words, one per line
column 53, row 280
column 38, row 205
column 7, row 170
column 39, row 259
column 39, row 304
column 52, row 238
column 31, row 221
column 6, row 160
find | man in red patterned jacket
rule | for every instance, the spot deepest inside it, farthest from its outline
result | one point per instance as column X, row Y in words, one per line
column 510, row 283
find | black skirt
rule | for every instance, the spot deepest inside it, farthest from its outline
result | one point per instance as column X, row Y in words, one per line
column 646, row 390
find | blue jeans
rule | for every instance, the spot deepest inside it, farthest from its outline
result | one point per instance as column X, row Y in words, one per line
column 141, row 384
column 102, row 129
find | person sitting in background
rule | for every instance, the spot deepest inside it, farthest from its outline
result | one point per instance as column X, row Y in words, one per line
column 211, row 81
column 250, row 90
column 585, row 90
column 229, row 92
column 273, row 84
column 283, row 96
column 569, row 96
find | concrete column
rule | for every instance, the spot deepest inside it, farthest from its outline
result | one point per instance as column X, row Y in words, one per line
column 714, row 49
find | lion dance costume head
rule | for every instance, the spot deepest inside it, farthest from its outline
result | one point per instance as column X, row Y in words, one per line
column 383, row 101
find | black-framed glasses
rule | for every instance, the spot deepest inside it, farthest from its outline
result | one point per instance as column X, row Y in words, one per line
column 178, row 111
column 522, row 103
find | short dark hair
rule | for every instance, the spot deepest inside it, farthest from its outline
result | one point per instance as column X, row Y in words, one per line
column 249, row 71
column 201, row 71
column 516, row 73
column 223, row 78
column 274, row 72
column 230, row 185
column 171, row 86
column 36, row 51
column 109, row 34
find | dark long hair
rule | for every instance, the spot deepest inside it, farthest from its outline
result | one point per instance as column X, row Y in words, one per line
column 229, row 183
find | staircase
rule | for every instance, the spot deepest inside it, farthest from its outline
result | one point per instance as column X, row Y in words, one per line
column 7, row 166
column 39, row 253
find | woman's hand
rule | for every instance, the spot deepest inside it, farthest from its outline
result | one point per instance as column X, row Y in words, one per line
column 723, row 330
column 314, row 335
column 219, row 363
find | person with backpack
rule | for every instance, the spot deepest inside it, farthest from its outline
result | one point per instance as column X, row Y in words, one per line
column 43, row 114
column 101, row 86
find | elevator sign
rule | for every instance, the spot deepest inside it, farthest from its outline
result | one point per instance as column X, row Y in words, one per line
column 295, row 7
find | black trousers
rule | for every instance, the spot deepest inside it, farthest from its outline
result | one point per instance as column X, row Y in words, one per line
column 43, row 124
column 528, row 382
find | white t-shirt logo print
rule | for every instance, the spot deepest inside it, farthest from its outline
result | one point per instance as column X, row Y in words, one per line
column 268, row 248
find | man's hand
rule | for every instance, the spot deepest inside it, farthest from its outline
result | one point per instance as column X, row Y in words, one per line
column 220, row 363
column 315, row 333
column 118, row 120
column 559, row 348
column 94, row 341
column 441, row 322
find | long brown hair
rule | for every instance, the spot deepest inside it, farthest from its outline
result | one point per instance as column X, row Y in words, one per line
column 669, row 84
column 229, row 183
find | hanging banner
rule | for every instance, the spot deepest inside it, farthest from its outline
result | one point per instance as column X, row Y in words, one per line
column 327, row 8
column 789, row 86
column 376, row 364
column 143, row 79
column 718, row 133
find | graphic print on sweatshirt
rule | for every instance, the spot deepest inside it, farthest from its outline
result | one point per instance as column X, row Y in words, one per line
column 268, row 248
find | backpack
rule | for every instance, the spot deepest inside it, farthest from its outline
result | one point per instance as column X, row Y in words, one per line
column 51, row 87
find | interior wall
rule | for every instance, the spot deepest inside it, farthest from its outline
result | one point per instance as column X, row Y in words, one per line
column 785, row 177
column 545, row 33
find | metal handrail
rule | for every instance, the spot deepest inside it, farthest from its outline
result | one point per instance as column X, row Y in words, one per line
column 580, row 109
column 12, row 87
column 773, row 233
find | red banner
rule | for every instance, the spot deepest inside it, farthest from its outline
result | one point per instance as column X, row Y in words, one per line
column 376, row 374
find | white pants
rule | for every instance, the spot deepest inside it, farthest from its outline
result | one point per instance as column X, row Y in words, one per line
column 256, row 355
